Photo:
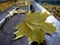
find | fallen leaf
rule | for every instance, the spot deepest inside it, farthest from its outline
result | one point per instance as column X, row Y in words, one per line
column 34, row 27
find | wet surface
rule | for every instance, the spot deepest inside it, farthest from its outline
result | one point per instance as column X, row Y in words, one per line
column 6, row 32
column 7, row 36
column 13, row 22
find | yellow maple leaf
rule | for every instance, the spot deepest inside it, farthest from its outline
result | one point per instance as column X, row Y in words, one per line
column 34, row 27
